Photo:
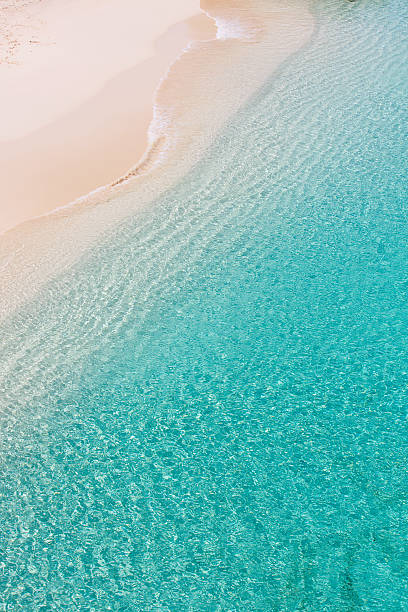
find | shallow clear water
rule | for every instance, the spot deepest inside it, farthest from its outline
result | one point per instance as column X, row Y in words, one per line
column 209, row 412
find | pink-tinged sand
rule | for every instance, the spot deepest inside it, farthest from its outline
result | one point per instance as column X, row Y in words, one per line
column 77, row 93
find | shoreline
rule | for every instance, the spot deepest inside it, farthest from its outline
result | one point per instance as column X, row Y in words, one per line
column 189, row 111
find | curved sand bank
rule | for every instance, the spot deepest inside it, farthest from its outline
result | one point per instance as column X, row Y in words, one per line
column 203, row 88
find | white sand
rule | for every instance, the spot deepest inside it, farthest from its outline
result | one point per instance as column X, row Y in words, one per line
column 77, row 85
column 68, row 50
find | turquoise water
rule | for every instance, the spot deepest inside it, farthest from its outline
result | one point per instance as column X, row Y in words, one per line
column 209, row 412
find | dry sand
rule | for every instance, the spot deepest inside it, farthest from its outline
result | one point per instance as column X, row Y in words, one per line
column 77, row 83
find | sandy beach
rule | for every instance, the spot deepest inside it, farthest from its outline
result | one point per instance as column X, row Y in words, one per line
column 203, row 362
column 202, row 90
column 77, row 83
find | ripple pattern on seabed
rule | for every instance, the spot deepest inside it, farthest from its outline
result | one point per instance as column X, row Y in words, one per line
column 209, row 411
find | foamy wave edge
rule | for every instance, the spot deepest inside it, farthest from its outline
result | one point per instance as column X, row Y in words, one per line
column 203, row 88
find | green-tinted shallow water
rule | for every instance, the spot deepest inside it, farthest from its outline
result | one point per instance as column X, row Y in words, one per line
column 209, row 413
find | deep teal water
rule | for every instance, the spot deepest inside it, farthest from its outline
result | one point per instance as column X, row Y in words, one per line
column 209, row 412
